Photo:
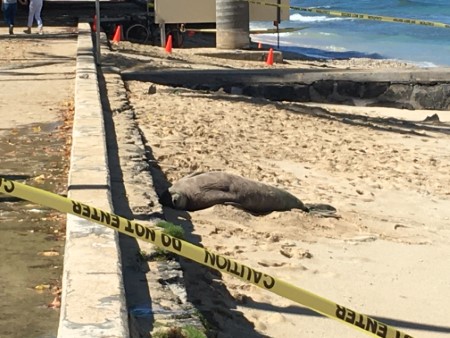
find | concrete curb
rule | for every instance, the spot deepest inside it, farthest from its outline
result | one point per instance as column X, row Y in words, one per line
column 93, row 297
column 156, row 293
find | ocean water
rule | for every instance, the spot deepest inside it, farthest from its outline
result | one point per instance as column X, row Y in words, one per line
column 337, row 37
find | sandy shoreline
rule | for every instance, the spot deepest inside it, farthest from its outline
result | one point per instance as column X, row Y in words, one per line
column 385, row 257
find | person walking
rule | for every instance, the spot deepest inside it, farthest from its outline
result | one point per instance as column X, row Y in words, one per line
column 9, row 8
column 34, row 12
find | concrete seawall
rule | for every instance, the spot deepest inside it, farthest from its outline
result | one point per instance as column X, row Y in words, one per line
column 93, row 300
column 406, row 89
column 100, row 293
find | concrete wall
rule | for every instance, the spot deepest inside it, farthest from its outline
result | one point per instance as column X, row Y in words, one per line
column 93, row 301
column 407, row 89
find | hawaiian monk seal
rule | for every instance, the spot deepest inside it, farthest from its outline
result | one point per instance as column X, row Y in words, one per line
column 203, row 190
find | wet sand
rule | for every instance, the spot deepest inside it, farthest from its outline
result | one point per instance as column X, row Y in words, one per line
column 35, row 110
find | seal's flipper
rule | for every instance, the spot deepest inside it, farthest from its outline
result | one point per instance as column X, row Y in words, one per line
column 320, row 207
column 322, row 210
column 195, row 173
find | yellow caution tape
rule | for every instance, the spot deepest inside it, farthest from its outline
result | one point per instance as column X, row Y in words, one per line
column 357, row 15
column 203, row 256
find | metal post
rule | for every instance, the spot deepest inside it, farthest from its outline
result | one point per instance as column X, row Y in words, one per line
column 97, row 32
column 278, row 22
column 162, row 33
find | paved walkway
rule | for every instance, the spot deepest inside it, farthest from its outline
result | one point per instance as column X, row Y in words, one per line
column 36, row 90
column 42, row 74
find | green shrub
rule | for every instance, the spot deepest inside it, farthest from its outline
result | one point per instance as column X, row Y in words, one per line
column 172, row 229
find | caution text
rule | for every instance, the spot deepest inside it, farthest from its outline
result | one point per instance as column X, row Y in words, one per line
column 95, row 214
column 240, row 270
column 364, row 322
column 6, row 185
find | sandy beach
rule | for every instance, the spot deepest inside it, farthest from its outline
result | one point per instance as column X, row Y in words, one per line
column 386, row 256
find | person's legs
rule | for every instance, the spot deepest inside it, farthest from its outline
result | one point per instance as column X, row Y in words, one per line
column 5, row 13
column 30, row 20
column 9, row 12
column 31, row 13
column 38, row 5
column 34, row 12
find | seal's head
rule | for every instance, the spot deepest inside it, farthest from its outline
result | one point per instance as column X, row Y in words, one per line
column 179, row 201
column 173, row 200
column 166, row 199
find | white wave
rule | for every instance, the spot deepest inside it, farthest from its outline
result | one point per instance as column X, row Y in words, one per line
column 315, row 18
column 425, row 64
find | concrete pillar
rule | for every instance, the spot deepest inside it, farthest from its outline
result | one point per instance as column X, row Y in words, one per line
column 232, row 24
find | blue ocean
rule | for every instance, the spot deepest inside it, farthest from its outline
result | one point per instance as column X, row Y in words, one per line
column 326, row 36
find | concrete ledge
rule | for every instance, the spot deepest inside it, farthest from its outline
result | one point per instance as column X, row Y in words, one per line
column 93, row 297
column 247, row 55
column 155, row 286
column 408, row 89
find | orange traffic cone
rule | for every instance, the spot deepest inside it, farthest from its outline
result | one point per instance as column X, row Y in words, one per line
column 269, row 60
column 169, row 44
column 117, row 34
column 94, row 24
